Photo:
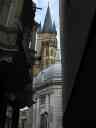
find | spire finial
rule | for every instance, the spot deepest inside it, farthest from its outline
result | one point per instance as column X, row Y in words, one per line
column 48, row 3
column 48, row 21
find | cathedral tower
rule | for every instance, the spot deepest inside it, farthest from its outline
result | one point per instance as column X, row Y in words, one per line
column 47, row 41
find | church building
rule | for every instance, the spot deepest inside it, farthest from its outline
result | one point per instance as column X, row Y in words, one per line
column 47, row 83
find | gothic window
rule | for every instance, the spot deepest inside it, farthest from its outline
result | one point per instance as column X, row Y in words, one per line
column 52, row 52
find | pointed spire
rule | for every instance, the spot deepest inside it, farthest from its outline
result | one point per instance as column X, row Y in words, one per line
column 47, row 27
column 54, row 28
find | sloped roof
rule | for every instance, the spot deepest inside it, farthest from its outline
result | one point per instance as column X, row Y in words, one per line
column 53, row 72
column 47, row 27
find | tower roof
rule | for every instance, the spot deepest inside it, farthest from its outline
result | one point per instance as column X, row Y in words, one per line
column 47, row 27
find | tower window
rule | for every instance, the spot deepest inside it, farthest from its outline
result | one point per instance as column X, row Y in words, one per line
column 51, row 52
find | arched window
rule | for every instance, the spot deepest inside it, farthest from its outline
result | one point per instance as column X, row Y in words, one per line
column 44, row 120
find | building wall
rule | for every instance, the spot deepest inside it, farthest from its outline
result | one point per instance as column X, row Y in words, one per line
column 57, row 108
column 52, row 105
column 47, row 50
column 26, row 115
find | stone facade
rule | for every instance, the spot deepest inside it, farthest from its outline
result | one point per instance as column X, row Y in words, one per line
column 52, row 97
column 25, row 120
column 48, row 49
column 47, row 88
column 14, row 62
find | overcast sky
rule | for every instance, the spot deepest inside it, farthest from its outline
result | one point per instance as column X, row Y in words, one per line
column 54, row 7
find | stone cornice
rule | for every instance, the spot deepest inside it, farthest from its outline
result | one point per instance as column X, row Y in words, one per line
column 47, row 90
column 56, row 83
